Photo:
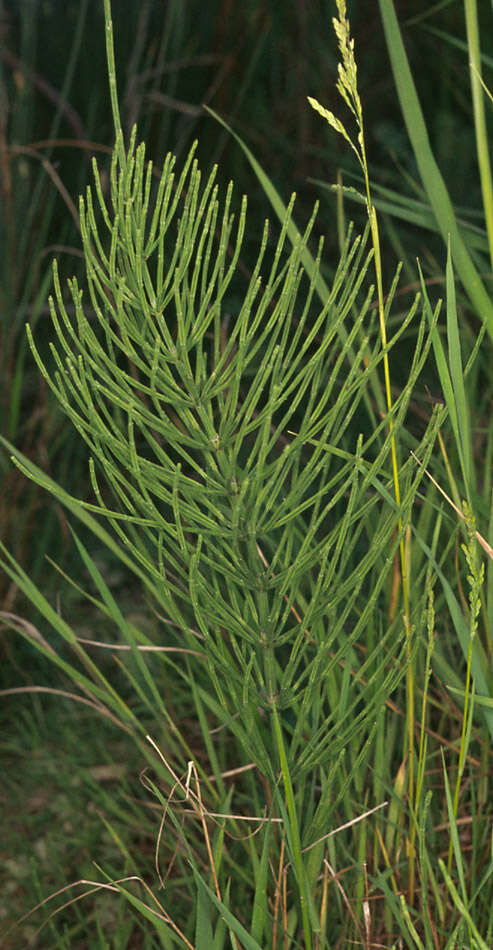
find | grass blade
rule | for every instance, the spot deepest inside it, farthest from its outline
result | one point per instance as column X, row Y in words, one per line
column 430, row 173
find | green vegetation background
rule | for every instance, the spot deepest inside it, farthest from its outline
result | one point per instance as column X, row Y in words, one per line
column 254, row 63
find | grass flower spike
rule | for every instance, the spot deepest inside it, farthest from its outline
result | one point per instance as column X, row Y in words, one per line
column 348, row 88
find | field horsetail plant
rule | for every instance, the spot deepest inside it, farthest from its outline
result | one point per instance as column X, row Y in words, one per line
column 259, row 484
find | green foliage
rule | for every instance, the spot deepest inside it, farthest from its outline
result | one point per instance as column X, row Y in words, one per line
column 229, row 465
column 235, row 520
column 262, row 485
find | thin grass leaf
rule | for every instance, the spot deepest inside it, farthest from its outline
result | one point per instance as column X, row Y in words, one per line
column 260, row 911
column 203, row 924
column 430, row 174
column 457, row 378
column 232, row 922
column 482, row 145
column 454, row 832
column 479, row 664
column 462, row 907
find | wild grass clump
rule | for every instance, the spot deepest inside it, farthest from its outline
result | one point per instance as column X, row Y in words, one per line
column 277, row 670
